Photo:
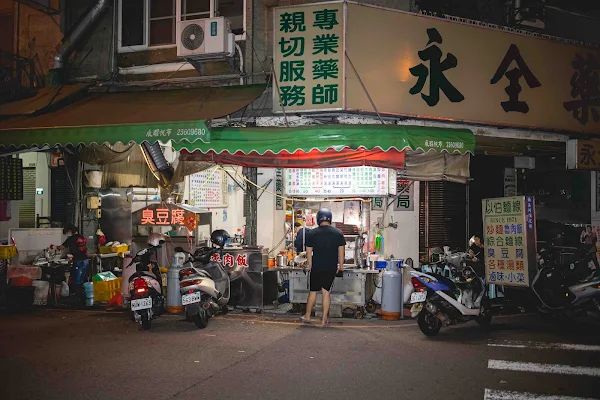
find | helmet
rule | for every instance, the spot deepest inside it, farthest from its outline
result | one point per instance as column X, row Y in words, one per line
column 156, row 239
column 219, row 237
column 324, row 214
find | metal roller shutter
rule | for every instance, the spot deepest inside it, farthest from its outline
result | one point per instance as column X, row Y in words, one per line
column 442, row 216
column 27, row 205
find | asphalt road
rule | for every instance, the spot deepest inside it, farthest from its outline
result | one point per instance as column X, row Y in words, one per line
column 101, row 355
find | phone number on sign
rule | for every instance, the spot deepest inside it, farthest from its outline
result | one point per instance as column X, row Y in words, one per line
column 191, row 132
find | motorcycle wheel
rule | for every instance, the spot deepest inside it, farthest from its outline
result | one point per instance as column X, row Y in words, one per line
column 146, row 321
column 429, row 324
column 200, row 319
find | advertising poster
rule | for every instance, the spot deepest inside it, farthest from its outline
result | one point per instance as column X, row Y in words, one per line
column 509, row 240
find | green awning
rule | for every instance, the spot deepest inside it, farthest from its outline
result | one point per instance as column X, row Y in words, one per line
column 136, row 116
column 333, row 137
column 180, row 132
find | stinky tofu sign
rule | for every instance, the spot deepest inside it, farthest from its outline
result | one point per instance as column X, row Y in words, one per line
column 509, row 240
column 165, row 215
column 398, row 63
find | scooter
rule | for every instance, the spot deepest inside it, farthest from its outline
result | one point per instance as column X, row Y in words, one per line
column 204, row 286
column 574, row 288
column 146, row 298
column 439, row 301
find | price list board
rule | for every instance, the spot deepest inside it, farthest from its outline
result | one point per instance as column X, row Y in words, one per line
column 209, row 188
column 11, row 178
column 350, row 181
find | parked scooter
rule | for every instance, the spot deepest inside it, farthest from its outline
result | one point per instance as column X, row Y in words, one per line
column 570, row 289
column 439, row 301
column 204, row 284
column 145, row 289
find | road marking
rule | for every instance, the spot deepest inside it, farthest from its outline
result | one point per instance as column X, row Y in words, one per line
column 545, row 346
column 509, row 395
column 543, row 368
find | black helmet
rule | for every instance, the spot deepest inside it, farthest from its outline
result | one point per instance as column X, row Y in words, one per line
column 324, row 214
column 219, row 237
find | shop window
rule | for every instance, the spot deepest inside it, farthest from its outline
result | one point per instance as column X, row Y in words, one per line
column 162, row 22
column 132, row 32
column 147, row 24
column 194, row 9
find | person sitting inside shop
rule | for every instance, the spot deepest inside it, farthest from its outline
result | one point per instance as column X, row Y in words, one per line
column 475, row 253
column 76, row 248
column 301, row 236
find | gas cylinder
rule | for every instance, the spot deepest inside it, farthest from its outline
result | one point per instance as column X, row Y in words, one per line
column 391, row 293
column 173, row 296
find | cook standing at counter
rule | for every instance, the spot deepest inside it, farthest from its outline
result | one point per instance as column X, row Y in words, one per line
column 325, row 254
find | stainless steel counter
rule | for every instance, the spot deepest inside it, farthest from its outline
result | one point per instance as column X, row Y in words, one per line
column 353, row 290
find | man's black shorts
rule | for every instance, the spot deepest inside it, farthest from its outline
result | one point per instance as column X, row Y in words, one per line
column 321, row 280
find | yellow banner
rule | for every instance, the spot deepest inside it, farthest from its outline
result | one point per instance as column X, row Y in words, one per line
column 509, row 240
column 405, row 64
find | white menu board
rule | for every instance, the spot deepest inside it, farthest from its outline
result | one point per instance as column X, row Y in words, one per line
column 349, row 181
column 208, row 188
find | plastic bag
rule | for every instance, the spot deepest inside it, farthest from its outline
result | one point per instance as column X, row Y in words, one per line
column 64, row 290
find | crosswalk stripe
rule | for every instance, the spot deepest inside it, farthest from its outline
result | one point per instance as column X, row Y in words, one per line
column 543, row 368
column 544, row 346
column 491, row 394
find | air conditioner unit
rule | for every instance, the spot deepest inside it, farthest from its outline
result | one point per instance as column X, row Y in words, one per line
column 205, row 38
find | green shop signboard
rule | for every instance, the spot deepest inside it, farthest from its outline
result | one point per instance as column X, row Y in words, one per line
column 309, row 57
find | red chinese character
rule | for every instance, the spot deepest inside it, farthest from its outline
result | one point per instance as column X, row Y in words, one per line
column 520, row 265
column 147, row 217
column 492, row 264
column 216, row 257
column 499, row 229
column 490, row 229
column 162, row 216
column 500, row 264
column 177, row 217
column 228, row 260
column 511, row 264
column 242, row 260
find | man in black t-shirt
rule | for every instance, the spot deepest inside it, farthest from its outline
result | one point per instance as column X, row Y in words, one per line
column 325, row 254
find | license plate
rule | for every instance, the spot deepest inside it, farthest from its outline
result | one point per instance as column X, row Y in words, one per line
column 418, row 297
column 190, row 298
column 141, row 304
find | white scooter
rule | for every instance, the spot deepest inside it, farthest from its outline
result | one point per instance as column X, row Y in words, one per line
column 204, row 286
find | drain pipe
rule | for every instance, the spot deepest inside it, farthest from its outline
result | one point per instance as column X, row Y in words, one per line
column 71, row 41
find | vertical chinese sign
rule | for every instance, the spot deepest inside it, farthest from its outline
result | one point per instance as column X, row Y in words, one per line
column 279, row 189
column 308, row 56
column 509, row 240
column 405, row 199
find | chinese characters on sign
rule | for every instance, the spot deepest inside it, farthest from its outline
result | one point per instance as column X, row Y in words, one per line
column 509, row 240
column 308, row 57
column 350, row 181
column 435, row 72
column 230, row 261
column 405, row 200
column 11, row 178
column 513, row 76
column 583, row 154
column 439, row 69
column 209, row 188
column 585, row 88
column 279, row 189
column 165, row 215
